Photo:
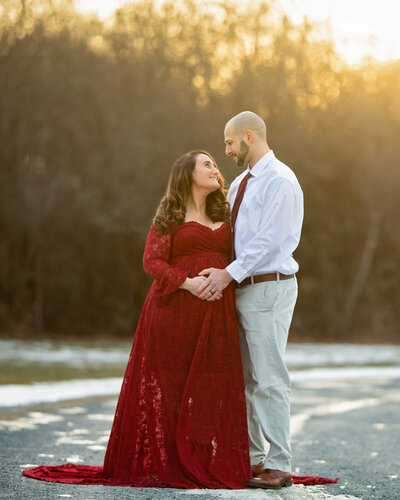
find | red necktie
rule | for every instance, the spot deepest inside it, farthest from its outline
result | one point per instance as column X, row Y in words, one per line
column 235, row 209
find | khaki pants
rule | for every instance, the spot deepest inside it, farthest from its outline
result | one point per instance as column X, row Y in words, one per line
column 265, row 312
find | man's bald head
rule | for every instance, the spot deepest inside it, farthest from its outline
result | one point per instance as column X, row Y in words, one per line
column 247, row 120
column 246, row 138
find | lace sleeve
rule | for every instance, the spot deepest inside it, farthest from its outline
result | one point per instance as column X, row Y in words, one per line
column 156, row 263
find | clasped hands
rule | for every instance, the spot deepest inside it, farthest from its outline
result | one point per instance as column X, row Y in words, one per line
column 210, row 283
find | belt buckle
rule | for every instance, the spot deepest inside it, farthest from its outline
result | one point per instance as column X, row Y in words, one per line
column 251, row 280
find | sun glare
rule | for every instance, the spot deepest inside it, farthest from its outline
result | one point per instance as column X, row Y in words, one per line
column 103, row 8
column 359, row 28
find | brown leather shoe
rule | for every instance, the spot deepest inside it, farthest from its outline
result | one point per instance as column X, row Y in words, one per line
column 257, row 469
column 271, row 479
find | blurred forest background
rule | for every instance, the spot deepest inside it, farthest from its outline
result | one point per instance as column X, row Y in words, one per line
column 93, row 113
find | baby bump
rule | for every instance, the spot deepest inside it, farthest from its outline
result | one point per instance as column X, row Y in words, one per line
column 193, row 264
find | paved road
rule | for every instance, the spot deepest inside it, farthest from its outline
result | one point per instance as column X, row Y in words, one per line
column 340, row 429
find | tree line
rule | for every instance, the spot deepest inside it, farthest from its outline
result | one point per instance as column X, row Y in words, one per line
column 93, row 114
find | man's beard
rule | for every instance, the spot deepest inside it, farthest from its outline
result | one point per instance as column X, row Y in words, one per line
column 243, row 152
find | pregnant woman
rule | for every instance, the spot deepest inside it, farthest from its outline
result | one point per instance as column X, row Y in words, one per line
column 180, row 420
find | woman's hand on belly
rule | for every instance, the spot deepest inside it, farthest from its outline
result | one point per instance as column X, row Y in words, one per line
column 193, row 284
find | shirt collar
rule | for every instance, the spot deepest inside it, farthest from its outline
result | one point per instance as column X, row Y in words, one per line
column 261, row 164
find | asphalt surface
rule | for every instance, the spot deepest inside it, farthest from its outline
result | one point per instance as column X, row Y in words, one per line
column 349, row 430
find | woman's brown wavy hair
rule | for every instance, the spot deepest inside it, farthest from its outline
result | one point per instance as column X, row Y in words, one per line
column 172, row 208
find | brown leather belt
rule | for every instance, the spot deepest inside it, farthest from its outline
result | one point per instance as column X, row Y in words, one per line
column 259, row 278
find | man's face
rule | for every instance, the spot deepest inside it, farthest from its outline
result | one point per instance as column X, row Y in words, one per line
column 236, row 147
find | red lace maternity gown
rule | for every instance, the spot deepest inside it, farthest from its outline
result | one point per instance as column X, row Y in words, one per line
column 181, row 417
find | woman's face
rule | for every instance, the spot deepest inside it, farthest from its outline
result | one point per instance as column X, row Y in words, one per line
column 205, row 174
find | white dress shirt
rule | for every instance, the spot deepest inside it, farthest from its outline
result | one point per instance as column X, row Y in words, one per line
column 268, row 225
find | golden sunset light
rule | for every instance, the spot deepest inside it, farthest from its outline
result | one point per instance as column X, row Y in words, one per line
column 359, row 28
column 207, row 190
